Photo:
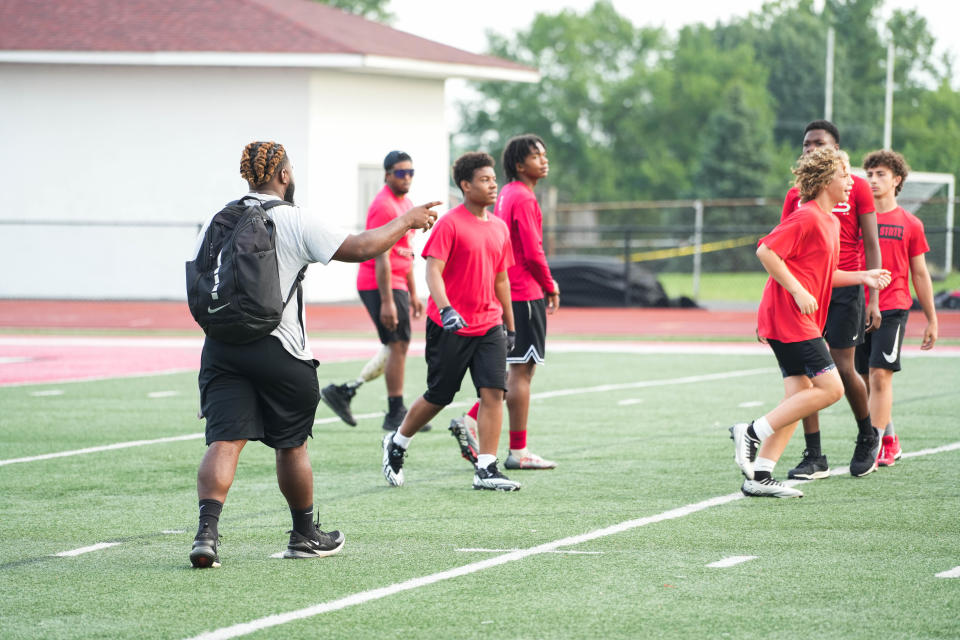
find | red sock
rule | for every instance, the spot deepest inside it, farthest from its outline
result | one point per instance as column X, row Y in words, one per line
column 518, row 440
column 473, row 410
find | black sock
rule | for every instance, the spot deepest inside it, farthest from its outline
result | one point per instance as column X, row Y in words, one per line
column 865, row 427
column 761, row 475
column 303, row 520
column 210, row 511
column 394, row 404
column 813, row 443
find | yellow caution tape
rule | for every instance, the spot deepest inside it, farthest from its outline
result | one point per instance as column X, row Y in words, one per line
column 661, row 254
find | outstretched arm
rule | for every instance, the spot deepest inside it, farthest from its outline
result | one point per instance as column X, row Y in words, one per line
column 372, row 242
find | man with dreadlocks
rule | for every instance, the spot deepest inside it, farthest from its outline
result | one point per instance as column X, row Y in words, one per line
column 267, row 389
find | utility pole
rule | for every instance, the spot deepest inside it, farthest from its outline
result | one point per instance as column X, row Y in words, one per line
column 828, row 85
column 888, row 101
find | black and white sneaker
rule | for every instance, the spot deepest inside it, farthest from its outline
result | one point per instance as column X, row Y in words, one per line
column 393, row 455
column 810, row 468
column 318, row 545
column 393, row 420
column 204, row 554
column 865, row 455
column 338, row 397
column 769, row 488
column 491, row 479
column 466, row 439
column 744, row 448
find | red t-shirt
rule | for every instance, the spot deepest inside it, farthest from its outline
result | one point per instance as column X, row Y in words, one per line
column 530, row 277
column 474, row 251
column 901, row 238
column 808, row 241
column 384, row 208
column 849, row 212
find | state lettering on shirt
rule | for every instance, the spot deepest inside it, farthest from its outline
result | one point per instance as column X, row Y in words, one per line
column 890, row 231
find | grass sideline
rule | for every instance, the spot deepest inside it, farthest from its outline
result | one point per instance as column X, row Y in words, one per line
column 859, row 553
column 745, row 287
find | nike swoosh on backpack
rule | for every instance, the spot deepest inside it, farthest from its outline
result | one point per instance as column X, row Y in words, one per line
column 215, row 309
column 892, row 356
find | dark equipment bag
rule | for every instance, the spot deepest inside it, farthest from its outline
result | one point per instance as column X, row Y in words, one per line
column 233, row 285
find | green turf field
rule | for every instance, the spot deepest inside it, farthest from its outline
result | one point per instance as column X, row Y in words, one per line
column 855, row 558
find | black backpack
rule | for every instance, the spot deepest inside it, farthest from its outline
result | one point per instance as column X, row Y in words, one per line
column 233, row 285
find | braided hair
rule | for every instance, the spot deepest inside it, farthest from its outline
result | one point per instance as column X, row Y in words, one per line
column 260, row 160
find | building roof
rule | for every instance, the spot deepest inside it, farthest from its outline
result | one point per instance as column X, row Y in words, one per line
column 298, row 33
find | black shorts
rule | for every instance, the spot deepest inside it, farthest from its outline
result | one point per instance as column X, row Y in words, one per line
column 846, row 317
column 881, row 349
column 449, row 356
column 401, row 298
column 257, row 391
column 530, row 320
column 807, row 358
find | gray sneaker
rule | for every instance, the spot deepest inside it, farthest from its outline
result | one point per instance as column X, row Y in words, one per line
column 466, row 439
column 744, row 448
column 491, row 479
column 810, row 468
column 319, row 545
column 769, row 488
column 393, row 455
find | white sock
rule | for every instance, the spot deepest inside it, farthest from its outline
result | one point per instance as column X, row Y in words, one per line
column 401, row 440
column 764, row 464
column 762, row 428
column 484, row 460
column 519, row 453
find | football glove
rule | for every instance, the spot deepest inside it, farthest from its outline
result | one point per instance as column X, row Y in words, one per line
column 451, row 319
column 511, row 338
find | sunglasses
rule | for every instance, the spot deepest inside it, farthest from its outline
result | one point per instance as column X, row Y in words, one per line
column 402, row 173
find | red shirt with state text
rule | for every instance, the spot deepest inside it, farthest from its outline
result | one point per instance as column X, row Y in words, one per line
column 474, row 252
column 849, row 212
column 384, row 208
column 901, row 238
column 808, row 241
column 530, row 277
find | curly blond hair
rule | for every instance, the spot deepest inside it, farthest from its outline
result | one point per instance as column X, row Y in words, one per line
column 260, row 161
column 815, row 170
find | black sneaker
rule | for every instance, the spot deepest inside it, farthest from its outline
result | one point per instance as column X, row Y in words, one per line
column 393, row 455
column 865, row 455
column 810, row 468
column 393, row 420
column 491, row 478
column 338, row 397
column 204, row 553
column 319, row 545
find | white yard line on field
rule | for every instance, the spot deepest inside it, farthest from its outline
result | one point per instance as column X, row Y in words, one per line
column 731, row 561
column 566, row 551
column 274, row 620
column 952, row 573
column 82, row 550
column 546, row 394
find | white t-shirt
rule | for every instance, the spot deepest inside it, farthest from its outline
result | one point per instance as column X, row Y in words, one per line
column 301, row 239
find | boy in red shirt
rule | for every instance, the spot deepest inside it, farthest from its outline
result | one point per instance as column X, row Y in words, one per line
column 902, row 245
column 389, row 292
column 801, row 255
column 533, row 291
column 846, row 321
column 469, row 321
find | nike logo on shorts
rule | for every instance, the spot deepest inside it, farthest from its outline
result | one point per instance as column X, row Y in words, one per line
column 892, row 356
column 215, row 309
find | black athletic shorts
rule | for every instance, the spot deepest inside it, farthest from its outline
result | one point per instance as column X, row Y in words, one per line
column 881, row 349
column 846, row 317
column 257, row 391
column 807, row 358
column 530, row 320
column 401, row 298
column 449, row 356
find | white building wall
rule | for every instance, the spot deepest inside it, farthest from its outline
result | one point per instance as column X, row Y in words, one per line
column 162, row 146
